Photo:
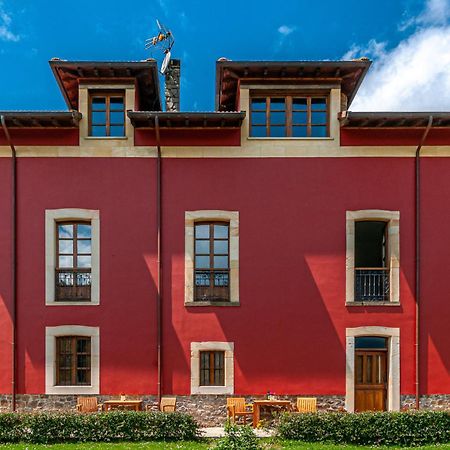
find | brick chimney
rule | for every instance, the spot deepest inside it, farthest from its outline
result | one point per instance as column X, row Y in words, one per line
column 172, row 85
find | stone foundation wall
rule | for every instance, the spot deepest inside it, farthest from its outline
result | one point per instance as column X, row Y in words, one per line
column 208, row 410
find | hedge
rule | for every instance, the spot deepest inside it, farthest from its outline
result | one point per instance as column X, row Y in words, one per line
column 369, row 428
column 48, row 428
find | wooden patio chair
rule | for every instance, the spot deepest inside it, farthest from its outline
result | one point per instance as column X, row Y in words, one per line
column 306, row 404
column 236, row 408
column 88, row 404
column 168, row 404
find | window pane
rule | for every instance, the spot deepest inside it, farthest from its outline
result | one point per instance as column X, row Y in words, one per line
column 319, row 131
column 202, row 231
column 299, row 104
column 278, row 131
column 98, row 103
column 84, row 231
column 66, row 246
column 99, row 118
column 220, row 231
column 84, row 246
column 84, row 261
column 202, row 261
column 117, row 118
column 299, row 131
column 221, row 247
column 299, row 117
column 117, row 131
column 66, row 261
column 202, row 278
column 370, row 342
column 221, row 262
column 258, row 132
column 258, row 118
column 202, row 247
column 116, row 103
column 221, row 279
column 277, row 118
column 65, row 231
column 318, row 117
column 318, row 103
column 98, row 131
column 277, row 104
column 82, row 377
column 258, row 104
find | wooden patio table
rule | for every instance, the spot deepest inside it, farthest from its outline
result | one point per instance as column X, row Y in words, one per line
column 258, row 404
column 134, row 405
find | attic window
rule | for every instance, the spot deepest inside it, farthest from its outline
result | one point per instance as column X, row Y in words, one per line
column 107, row 114
column 295, row 116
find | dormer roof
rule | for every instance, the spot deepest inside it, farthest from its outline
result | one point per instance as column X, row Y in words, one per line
column 229, row 74
column 144, row 74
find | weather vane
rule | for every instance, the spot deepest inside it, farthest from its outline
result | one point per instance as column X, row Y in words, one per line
column 164, row 40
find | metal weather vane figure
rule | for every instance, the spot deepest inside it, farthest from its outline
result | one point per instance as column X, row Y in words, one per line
column 163, row 40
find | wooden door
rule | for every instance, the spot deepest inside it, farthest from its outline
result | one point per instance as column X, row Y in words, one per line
column 370, row 380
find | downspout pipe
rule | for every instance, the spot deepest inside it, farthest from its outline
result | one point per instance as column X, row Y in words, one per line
column 159, row 260
column 13, row 263
column 417, row 286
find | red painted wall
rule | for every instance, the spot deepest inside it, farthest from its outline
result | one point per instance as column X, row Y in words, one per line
column 289, row 331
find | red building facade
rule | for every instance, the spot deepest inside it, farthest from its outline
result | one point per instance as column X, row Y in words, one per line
column 280, row 243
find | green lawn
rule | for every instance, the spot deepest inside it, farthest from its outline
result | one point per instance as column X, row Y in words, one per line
column 267, row 443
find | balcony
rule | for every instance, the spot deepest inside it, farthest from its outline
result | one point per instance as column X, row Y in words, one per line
column 372, row 284
column 73, row 285
column 212, row 285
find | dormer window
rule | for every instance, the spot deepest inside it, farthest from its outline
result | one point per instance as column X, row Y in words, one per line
column 296, row 116
column 107, row 114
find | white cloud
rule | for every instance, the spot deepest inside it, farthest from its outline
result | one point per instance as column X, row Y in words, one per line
column 5, row 32
column 286, row 30
column 415, row 75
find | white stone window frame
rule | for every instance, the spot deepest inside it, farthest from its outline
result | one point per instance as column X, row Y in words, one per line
column 51, row 333
column 228, row 348
column 52, row 217
column 190, row 218
column 392, row 218
column 393, row 364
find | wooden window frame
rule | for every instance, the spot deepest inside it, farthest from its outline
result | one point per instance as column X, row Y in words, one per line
column 86, row 296
column 212, row 270
column 107, row 95
column 74, row 359
column 289, row 114
column 215, row 374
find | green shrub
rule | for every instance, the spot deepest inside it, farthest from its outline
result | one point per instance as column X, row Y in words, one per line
column 370, row 428
column 238, row 438
column 47, row 428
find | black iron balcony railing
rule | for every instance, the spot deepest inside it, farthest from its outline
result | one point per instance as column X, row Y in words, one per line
column 212, row 285
column 73, row 284
column 372, row 284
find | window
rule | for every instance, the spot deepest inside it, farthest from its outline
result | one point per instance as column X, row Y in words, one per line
column 74, row 254
column 107, row 114
column 371, row 270
column 212, row 272
column 289, row 116
column 73, row 361
column 212, row 368
column 373, row 257
column 211, row 258
column 72, row 257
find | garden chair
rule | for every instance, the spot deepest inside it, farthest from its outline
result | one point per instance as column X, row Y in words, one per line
column 88, row 404
column 236, row 408
column 168, row 404
column 306, row 404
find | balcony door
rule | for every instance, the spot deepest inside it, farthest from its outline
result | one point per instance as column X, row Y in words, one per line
column 370, row 373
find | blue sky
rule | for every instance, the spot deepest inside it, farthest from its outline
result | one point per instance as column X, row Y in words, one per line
column 409, row 41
